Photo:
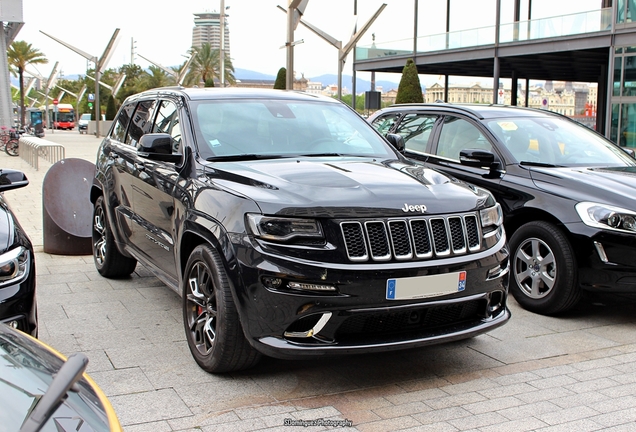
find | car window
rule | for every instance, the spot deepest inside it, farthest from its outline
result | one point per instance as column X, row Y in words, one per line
column 556, row 141
column 141, row 121
column 121, row 123
column 167, row 121
column 384, row 124
column 458, row 134
column 283, row 128
column 416, row 129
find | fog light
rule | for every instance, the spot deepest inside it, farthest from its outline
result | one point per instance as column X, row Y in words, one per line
column 272, row 282
column 310, row 287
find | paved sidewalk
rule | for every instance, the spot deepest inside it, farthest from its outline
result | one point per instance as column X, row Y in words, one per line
column 574, row 373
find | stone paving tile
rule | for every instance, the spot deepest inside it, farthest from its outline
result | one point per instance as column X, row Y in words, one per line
column 143, row 407
column 491, row 405
column 123, row 381
column 585, row 425
column 389, row 424
column 567, row 415
column 442, row 415
column 521, row 425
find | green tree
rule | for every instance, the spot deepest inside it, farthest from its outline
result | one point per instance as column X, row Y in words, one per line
column 19, row 55
column 410, row 89
column 111, row 108
column 281, row 79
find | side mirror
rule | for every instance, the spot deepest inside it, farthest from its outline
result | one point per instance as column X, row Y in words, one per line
column 157, row 146
column 12, row 179
column 629, row 151
column 481, row 159
column 396, row 141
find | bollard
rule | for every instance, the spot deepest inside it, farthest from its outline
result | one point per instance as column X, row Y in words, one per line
column 66, row 208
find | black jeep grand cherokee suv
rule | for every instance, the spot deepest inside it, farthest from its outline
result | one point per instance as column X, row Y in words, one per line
column 291, row 228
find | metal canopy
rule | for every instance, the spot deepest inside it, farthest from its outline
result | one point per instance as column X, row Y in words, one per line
column 548, row 61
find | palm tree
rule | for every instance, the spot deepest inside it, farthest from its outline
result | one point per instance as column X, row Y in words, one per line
column 206, row 65
column 157, row 77
column 19, row 55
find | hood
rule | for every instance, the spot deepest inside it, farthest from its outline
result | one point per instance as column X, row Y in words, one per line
column 611, row 185
column 346, row 187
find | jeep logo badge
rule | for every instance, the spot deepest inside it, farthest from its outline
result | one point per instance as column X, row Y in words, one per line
column 414, row 208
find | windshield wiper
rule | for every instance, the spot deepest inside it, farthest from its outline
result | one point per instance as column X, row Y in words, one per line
column 243, row 157
column 539, row 164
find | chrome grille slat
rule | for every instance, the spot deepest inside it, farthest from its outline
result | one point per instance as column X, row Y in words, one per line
column 412, row 238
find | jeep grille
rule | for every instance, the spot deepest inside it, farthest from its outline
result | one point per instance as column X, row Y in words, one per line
column 411, row 239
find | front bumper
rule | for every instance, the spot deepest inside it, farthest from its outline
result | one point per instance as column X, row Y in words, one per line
column 357, row 317
column 606, row 260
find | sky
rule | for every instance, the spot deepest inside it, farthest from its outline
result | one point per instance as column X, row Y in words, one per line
column 161, row 31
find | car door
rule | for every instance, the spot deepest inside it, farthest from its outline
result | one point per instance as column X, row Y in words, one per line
column 117, row 159
column 450, row 135
column 154, row 195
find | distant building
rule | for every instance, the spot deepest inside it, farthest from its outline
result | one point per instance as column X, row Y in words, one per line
column 207, row 29
column 314, row 87
column 255, row 83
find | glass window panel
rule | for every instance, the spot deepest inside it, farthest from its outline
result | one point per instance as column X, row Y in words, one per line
column 616, row 110
column 141, row 121
column 457, row 135
column 416, row 129
column 629, row 76
column 628, row 125
column 167, row 121
column 121, row 124
column 618, row 62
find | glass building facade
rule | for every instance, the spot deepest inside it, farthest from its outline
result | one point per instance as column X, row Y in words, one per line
column 623, row 96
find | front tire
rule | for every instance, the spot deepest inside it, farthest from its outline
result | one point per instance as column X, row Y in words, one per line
column 544, row 271
column 109, row 261
column 213, row 329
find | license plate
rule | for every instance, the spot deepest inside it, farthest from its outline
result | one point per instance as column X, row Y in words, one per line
column 425, row 286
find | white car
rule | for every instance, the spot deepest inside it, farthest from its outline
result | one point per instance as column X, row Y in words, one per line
column 82, row 124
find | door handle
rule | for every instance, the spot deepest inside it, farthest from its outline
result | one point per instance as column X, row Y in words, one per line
column 139, row 166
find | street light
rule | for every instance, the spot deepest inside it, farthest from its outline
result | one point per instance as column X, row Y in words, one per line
column 100, row 65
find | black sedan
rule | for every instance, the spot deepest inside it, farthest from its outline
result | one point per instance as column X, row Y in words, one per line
column 18, row 306
column 568, row 194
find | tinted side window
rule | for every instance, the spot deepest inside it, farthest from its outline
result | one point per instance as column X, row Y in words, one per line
column 121, row 123
column 383, row 124
column 167, row 121
column 416, row 129
column 459, row 134
column 141, row 121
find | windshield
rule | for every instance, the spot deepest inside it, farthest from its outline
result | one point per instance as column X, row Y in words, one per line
column 85, row 117
column 556, row 141
column 283, row 128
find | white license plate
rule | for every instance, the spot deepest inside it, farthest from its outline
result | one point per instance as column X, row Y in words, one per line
column 425, row 286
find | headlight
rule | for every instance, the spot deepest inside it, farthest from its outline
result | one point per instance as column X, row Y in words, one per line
column 607, row 217
column 14, row 265
column 282, row 229
column 491, row 216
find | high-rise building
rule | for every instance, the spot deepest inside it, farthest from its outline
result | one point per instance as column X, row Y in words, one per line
column 207, row 29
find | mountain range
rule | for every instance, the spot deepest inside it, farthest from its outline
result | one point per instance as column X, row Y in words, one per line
column 326, row 79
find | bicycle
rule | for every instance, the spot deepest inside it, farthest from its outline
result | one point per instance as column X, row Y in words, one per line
column 10, row 141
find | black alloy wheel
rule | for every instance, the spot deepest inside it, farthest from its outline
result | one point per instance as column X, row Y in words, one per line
column 109, row 261
column 213, row 330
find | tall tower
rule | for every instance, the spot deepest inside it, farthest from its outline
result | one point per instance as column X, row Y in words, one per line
column 207, row 28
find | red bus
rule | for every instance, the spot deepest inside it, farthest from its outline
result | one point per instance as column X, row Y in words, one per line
column 64, row 118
